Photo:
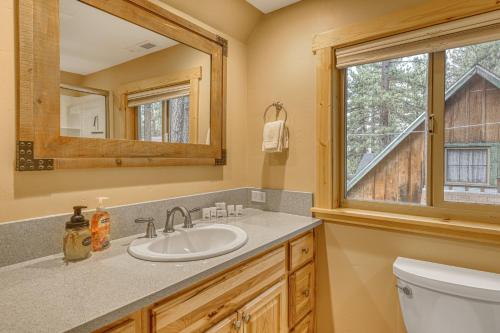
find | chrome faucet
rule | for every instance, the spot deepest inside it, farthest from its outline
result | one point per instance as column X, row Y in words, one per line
column 150, row 230
column 169, row 223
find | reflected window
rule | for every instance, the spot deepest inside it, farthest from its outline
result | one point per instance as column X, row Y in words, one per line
column 164, row 121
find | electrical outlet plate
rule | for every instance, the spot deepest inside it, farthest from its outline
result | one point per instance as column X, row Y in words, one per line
column 258, row 196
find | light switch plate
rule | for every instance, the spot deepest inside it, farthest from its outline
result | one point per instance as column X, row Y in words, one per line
column 258, row 196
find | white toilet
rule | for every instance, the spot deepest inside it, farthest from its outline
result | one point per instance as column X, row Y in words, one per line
column 437, row 298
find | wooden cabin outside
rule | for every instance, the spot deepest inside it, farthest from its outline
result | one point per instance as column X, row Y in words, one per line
column 472, row 148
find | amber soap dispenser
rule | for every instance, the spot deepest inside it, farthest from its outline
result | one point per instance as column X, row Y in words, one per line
column 100, row 226
column 77, row 239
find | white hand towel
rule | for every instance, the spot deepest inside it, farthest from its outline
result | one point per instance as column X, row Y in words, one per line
column 273, row 136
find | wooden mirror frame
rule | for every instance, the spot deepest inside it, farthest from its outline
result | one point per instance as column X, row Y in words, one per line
column 39, row 144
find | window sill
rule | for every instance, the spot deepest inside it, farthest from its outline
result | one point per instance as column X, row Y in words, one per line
column 457, row 229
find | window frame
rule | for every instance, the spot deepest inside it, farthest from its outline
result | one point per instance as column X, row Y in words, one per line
column 438, row 214
column 344, row 201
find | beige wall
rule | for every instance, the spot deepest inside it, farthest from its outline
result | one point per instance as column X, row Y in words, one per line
column 30, row 194
column 356, row 286
column 281, row 67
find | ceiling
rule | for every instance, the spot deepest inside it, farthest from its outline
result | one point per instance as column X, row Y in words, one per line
column 236, row 18
column 267, row 6
column 92, row 40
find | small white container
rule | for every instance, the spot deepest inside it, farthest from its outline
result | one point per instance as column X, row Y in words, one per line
column 231, row 212
column 239, row 210
column 213, row 213
column 221, row 214
column 206, row 214
column 220, row 205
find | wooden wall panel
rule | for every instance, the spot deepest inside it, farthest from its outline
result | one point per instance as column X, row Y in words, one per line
column 473, row 113
column 399, row 176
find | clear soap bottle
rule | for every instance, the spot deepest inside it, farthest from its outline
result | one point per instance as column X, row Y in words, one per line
column 100, row 227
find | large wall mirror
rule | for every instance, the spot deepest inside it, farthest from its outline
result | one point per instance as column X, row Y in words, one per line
column 117, row 83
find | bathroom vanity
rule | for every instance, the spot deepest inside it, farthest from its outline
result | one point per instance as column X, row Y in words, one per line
column 267, row 293
column 267, row 285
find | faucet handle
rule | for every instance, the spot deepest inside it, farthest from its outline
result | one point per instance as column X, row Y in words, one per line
column 150, row 229
column 197, row 209
column 144, row 220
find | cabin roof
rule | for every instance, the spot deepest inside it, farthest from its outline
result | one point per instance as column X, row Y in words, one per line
column 364, row 170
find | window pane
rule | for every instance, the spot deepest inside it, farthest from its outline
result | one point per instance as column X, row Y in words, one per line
column 385, row 119
column 472, row 124
column 149, row 120
column 178, row 109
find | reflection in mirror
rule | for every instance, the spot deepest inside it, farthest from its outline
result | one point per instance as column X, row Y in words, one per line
column 84, row 112
column 122, row 81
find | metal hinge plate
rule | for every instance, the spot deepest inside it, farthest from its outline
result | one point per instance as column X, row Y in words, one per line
column 25, row 160
column 223, row 42
column 223, row 159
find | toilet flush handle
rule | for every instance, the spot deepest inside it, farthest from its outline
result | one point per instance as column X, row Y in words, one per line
column 406, row 290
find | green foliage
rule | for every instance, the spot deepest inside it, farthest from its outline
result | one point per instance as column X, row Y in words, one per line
column 383, row 99
column 462, row 59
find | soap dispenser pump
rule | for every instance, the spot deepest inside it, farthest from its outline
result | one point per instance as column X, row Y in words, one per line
column 77, row 239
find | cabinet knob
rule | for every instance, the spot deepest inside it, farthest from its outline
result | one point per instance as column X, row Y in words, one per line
column 237, row 325
column 306, row 292
column 305, row 250
column 247, row 317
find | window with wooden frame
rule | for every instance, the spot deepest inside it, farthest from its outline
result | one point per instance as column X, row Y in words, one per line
column 409, row 123
column 163, row 113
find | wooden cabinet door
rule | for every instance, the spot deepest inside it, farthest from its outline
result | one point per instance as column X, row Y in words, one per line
column 267, row 313
column 301, row 293
column 229, row 325
column 306, row 325
column 202, row 307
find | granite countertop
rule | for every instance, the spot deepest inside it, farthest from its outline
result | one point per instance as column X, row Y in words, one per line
column 47, row 295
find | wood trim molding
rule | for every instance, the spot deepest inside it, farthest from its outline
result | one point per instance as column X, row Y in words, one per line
column 39, row 76
column 456, row 229
column 324, row 152
column 430, row 13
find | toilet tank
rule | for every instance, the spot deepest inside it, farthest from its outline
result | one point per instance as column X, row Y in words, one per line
column 437, row 298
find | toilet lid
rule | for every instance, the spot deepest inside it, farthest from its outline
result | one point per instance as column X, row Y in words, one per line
column 449, row 279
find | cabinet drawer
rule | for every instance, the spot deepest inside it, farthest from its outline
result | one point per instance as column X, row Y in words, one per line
column 301, row 250
column 306, row 325
column 228, row 325
column 204, row 306
column 129, row 324
column 125, row 327
column 301, row 293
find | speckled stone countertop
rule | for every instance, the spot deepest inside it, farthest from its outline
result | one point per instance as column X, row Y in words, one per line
column 46, row 295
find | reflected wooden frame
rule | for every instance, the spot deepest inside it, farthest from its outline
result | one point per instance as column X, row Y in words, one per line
column 477, row 222
column 38, row 93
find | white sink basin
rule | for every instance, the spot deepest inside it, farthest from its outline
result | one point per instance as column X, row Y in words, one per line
column 200, row 242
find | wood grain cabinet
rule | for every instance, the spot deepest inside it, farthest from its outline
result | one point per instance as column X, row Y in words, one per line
column 231, row 324
column 306, row 325
column 270, row 293
column 301, row 282
column 267, row 313
column 129, row 324
column 301, row 251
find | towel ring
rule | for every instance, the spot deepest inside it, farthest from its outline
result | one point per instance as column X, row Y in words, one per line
column 279, row 107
